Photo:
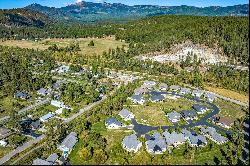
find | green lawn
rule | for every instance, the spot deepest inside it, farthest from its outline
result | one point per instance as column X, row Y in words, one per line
column 230, row 110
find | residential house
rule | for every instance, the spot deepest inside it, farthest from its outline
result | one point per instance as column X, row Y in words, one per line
column 35, row 125
column 184, row 91
column 223, row 121
column 52, row 158
column 163, row 87
column 211, row 133
column 140, row 90
column 200, row 109
column 174, row 116
column 197, row 93
column 113, row 123
column 149, row 84
column 194, row 139
column 3, row 143
column 156, row 144
column 21, row 95
column 137, row 99
column 59, row 104
column 156, row 97
column 46, row 117
column 59, row 111
column 131, row 143
column 49, row 161
column 62, row 69
column 189, row 114
column 42, row 92
column 174, row 87
column 4, row 132
column 210, row 97
column 68, row 144
column 174, row 139
column 126, row 115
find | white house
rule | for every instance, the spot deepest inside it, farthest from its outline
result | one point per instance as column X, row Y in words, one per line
column 59, row 111
column 3, row 143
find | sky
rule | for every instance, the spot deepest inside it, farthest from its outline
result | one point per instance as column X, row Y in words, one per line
column 8, row 4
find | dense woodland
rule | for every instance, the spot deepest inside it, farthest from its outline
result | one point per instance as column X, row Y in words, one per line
column 152, row 34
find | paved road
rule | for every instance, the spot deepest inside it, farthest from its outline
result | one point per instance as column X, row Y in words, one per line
column 38, row 104
column 20, row 149
column 81, row 111
column 223, row 97
column 141, row 129
column 26, row 154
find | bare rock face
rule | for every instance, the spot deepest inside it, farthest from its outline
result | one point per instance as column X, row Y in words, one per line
column 180, row 52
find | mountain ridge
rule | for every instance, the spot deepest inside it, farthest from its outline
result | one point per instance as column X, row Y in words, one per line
column 94, row 12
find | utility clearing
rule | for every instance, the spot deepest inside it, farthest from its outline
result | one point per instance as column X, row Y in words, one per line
column 180, row 52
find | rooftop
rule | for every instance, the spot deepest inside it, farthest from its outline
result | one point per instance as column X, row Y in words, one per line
column 70, row 141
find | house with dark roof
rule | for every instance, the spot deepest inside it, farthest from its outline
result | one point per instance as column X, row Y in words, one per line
column 156, row 97
column 223, row 121
column 47, row 116
column 174, row 116
column 189, row 114
column 68, row 144
column 137, row 99
column 174, row 139
column 197, row 93
column 174, row 87
column 126, row 115
column 4, row 132
column 21, row 95
column 113, row 123
column 211, row 133
column 200, row 109
column 35, row 125
column 184, row 91
column 209, row 96
column 131, row 143
column 41, row 162
column 156, row 144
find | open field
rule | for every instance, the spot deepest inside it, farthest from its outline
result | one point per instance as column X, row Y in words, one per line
column 101, row 44
column 151, row 115
column 230, row 110
column 229, row 93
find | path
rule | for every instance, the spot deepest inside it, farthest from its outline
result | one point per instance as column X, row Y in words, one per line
column 141, row 129
column 26, row 154
column 20, row 149
column 38, row 104
column 223, row 97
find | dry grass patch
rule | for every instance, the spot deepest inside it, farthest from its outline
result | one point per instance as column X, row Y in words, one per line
column 230, row 110
column 101, row 44
column 229, row 93
column 150, row 115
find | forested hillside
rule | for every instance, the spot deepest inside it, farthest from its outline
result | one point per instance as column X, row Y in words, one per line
column 23, row 18
column 89, row 12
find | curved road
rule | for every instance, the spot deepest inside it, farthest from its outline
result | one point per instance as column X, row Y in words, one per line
column 141, row 129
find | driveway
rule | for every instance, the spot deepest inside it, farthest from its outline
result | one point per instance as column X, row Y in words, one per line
column 141, row 129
